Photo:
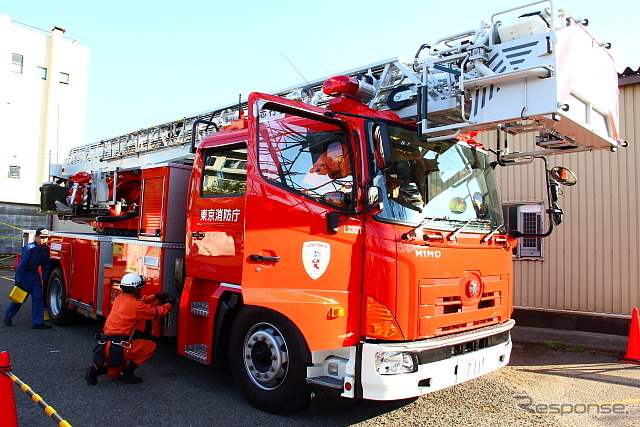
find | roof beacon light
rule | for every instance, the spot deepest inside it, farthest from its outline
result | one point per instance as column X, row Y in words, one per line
column 349, row 87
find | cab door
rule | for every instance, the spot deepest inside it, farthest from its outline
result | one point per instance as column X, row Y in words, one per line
column 302, row 169
column 215, row 230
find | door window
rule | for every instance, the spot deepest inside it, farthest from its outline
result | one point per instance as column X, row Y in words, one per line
column 224, row 172
column 307, row 156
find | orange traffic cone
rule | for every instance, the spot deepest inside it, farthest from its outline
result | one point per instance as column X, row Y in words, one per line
column 633, row 348
column 8, row 412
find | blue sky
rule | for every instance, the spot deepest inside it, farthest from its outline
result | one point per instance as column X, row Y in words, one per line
column 153, row 62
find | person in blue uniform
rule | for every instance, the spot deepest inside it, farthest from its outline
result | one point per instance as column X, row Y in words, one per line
column 34, row 255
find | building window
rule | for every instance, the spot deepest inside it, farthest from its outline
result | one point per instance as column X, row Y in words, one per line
column 526, row 218
column 17, row 61
column 14, row 172
column 64, row 78
column 42, row 73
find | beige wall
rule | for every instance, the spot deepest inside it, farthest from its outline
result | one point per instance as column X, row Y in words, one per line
column 591, row 261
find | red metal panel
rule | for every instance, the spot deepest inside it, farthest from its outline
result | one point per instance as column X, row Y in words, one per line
column 61, row 250
column 84, row 271
column 151, row 216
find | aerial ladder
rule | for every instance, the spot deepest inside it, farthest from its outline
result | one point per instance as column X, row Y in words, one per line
column 529, row 70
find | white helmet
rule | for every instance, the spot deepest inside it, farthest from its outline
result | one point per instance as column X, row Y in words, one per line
column 131, row 282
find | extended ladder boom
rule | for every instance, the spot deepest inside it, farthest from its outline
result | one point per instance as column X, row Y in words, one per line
column 538, row 71
column 170, row 142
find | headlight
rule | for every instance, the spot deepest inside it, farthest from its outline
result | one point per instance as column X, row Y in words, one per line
column 393, row 362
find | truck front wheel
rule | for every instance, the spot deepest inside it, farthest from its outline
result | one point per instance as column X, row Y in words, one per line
column 59, row 310
column 268, row 359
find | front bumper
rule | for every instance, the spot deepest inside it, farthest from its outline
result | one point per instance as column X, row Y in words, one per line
column 442, row 362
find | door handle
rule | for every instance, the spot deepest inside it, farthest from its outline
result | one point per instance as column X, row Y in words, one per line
column 262, row 258
column 198, row 235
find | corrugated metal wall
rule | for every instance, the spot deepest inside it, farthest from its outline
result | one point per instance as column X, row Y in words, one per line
column 591, row 261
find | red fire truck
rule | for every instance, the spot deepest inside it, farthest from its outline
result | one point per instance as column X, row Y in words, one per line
column 346, row 236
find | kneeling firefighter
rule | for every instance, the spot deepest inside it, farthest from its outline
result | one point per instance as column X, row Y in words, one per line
column 116, row 354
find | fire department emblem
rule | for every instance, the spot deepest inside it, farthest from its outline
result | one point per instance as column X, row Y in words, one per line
column 315, row 258
column 473, row 287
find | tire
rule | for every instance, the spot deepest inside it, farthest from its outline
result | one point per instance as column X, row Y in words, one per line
column 268, row 359
column 59, row 310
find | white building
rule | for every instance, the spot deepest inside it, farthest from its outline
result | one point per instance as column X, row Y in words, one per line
column 43, row 93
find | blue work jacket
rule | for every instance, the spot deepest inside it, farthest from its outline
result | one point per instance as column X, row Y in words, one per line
column 32, row 257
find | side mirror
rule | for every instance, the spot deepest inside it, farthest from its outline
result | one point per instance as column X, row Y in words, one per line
column 555, row 213
column 336, row 198
column 382, row 146
column 479, row 204
column 554, row 176
column 563, row 176
column 374, row 205
column 333, row 222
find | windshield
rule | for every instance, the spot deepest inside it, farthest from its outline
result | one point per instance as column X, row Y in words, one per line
column 444, row 184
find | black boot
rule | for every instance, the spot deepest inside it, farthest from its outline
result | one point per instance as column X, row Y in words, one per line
column 7, row 321
column 127, row 376
column 93, row 372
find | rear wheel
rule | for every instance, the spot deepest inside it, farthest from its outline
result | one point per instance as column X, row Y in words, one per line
column 268, row 360
column 59, row 310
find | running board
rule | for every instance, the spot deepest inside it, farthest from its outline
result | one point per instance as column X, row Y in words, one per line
column 197, row 352
column 326, row 385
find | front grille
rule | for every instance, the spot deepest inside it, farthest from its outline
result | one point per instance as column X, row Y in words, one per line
column 486, row 304
column 467, row 325
column 489, row 299
column 443, row 309
column 452, row 304
column 454, row 308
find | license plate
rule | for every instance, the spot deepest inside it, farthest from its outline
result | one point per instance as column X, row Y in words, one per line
column 469, row 367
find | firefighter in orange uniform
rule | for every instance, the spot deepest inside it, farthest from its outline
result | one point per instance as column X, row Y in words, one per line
column 116, row 354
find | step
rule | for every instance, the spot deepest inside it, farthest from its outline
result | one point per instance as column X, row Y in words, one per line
column 326, row 381
column 197, row 352
column 200, row 308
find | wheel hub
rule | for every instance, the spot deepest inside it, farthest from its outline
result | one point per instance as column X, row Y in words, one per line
column 265, row 356
column 55, row 297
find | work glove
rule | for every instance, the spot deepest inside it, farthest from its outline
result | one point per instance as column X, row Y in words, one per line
column 162, row 297
column 165, row 298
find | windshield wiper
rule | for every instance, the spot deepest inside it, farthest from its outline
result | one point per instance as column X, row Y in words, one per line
column 425, row 221
column 428, row 220
column 488, row 236
column 457, row 231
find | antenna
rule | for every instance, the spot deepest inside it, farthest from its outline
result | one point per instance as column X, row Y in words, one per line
column 294, row 67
